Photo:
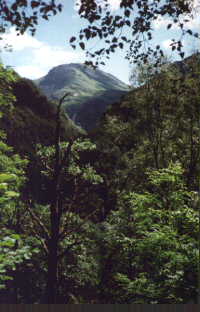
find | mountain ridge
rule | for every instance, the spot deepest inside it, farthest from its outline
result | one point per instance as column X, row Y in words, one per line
column 97, row 74
column 90, row 86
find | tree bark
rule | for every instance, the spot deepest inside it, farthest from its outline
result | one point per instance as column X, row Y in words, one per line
column 52, row 274
column 55, row 215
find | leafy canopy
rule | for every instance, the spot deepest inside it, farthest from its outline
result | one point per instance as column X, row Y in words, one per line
column 155, row 250
column 131, row 27
column 24, row 14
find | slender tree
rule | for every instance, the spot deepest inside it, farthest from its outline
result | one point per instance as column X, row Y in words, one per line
column 61, row 162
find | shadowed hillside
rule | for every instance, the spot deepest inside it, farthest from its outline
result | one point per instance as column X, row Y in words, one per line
column 32, row 118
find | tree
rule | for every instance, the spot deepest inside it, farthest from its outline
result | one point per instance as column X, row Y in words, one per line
column 135, row 16
column 61, row 224
column 143, row 74
column 154, row 124
column 150, row 243
column 146, row 214
column 14, row 247
column 24, row 15
column 131, row 27
column 7, row 77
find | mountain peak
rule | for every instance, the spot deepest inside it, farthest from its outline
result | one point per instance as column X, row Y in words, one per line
column 74, row 73
column 95, row 88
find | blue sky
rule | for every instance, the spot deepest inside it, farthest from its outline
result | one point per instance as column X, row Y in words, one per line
column 33, row 57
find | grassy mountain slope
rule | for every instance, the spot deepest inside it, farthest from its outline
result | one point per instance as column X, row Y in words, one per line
column 90, row 87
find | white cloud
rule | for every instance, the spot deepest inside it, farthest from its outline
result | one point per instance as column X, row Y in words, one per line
column 161, row 22
column 37, row 57
column 114, row 4
column 195, row 6
column 41, row 60
column 167, row 44
column 30, row 71
column 193, row 20
column 19, row 42
column 47, row 56
column 193, row 23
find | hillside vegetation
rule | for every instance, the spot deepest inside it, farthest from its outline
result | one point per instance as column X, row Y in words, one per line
column 111, row 217
column 31, row 119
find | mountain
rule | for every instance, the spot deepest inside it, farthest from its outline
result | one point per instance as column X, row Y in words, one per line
column 94, row 90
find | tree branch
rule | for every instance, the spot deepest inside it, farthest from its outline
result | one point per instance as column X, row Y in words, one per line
column 39, row 222
column 64, row 233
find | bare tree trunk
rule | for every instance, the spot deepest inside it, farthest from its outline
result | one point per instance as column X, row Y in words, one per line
column 55, row 215
column 52, row 274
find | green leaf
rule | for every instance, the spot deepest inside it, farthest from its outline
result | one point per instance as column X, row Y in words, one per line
column 11, row 194
column 7, row 177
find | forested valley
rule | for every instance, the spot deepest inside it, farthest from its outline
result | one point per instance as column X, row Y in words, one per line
column 114, row 211
column 108, row 214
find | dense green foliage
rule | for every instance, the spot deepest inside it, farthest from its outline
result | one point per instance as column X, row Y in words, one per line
column 32, row 109
column 112, row 218
column 157, row 123
column 118, row 222
column 14, row 249
column 154, row 257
